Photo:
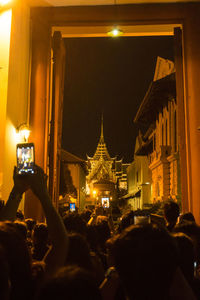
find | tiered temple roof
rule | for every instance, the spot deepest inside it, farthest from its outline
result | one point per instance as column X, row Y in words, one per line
column 101, row 151
column 101, row 164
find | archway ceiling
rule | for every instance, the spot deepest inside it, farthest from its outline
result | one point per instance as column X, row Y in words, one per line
column 97, row 2
column 100, row 31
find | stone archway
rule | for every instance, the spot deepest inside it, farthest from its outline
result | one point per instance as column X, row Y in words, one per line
column 187, row 14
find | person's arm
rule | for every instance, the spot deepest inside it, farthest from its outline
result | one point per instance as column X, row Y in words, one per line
column 37, row 182
column 92, row 220
column 10, row 209
column 56, row 257
column 110, row 284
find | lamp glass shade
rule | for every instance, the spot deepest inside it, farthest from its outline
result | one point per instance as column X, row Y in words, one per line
column 115, row 32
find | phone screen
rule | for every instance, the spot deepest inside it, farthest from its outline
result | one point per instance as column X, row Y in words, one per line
column 72, row 207
column 105, row 202
column 25, row 158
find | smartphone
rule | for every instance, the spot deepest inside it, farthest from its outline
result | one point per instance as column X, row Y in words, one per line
column 25, row 158
column 72, row 206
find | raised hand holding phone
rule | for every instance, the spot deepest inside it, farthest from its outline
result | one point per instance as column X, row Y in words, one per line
column 38, row 182
column 56, row 257
column 21, row 184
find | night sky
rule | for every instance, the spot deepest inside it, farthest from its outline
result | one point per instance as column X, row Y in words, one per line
column 109, row 76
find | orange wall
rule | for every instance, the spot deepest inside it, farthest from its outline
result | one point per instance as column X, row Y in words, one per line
column 192, row 87
column 16, row 99
column 5, row 28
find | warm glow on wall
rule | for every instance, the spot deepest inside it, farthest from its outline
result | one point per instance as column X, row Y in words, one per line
column 5, row 29
column 4, row 2
column 12, row 134
column 5, row 26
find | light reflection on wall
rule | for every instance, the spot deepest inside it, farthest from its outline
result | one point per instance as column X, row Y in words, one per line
column 4, row 2
column 13, row 134
column 5, row 30
column 5, row 25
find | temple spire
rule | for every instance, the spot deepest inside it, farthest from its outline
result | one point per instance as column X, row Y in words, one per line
column 102, row 136
column 101, row 151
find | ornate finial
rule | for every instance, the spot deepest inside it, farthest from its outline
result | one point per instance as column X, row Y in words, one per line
column 102, row 137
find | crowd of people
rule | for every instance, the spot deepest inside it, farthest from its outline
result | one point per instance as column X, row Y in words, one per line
column 87, row 256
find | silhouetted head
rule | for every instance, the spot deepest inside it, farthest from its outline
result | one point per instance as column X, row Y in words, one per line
column 71, row 283
column 30, row 224
column 145, row 257
column 86, row 215
column 40, row 234
column 187, row 217
column 74, row 223
column 185, row 255
column 20, row 215
column 4, row 276
column 22, row 228
column 79, row 253
column 192, row 230
column 92, row 237
column 18, row 260
column 126, row 220
column 103, row 232
column 171, row 212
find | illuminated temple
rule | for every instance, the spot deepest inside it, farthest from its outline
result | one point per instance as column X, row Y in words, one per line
column 106, row 175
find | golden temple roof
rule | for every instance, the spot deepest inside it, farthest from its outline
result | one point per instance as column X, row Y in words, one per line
column 101, row 151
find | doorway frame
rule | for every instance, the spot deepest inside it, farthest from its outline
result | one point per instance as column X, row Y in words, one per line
column 187, row 14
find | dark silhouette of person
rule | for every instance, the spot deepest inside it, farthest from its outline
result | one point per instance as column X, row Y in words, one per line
column 71, row 283
column 145, row 257
column 171, row 214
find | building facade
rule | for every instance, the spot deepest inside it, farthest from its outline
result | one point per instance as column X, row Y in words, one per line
column 138, row 180
column 73, row 179
column 158, row 111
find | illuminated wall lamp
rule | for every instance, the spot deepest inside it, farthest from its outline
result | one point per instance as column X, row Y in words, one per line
column 23, row 132
column 115, row 32
column 6, row 4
